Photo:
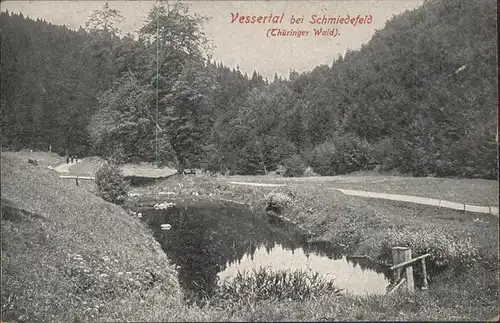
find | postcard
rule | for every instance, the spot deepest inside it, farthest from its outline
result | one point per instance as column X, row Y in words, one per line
column 249, row 160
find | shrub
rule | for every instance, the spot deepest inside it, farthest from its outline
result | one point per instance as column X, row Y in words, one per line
column 111, row 184
column 276, row 202
column 295, row 167
column 264, row 284
column 280, row 169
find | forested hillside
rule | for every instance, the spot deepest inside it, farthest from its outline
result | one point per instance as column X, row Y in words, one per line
column 47, row 92
column 419, row 98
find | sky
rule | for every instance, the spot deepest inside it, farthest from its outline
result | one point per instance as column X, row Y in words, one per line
column 250, row 46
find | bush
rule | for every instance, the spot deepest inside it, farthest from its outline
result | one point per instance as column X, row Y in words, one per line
column 277, row 202
column 295, row 167
column 111, row 184
column 280, row 170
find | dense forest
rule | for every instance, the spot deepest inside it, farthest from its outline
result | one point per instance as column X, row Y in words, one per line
column 419, row 98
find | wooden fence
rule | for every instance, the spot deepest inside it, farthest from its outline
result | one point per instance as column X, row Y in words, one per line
column 78, row 178
column 402, row 264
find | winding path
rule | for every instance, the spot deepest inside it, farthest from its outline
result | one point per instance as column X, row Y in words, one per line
column 63, row 168
column 403, row 198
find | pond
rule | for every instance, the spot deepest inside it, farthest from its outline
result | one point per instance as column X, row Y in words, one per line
column 210, row 242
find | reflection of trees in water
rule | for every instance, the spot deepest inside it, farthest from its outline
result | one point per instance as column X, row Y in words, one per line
column 323, row 249
column 366, row 263
column 205, row 239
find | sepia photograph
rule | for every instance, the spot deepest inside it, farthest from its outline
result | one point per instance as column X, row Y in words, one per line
column 250, row 160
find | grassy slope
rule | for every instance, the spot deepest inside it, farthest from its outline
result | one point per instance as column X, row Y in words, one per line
column 67, row 254
column 43, row 158
column 365, row 226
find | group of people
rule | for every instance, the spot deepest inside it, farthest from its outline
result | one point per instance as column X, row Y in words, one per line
column 72, row 158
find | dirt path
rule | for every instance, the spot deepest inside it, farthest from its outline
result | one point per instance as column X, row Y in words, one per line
column 63, row 168
column 423, row 200
column 88, row 166
column 257, row 184
column 402, row 198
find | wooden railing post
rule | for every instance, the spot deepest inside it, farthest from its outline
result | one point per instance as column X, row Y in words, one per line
column 410, row 286
column 396, row 261
column 400, row 255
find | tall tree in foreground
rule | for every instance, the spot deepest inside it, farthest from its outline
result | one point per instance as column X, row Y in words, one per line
column 122, row 126
column 188, row 117
column 176, row 42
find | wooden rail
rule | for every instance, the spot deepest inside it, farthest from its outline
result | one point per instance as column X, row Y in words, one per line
column 401, row 257
column 410, row 261
column 77, row 178
column 401, row 282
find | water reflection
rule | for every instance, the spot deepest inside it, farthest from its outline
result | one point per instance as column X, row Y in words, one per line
column 211, row 242
column 347, row 275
